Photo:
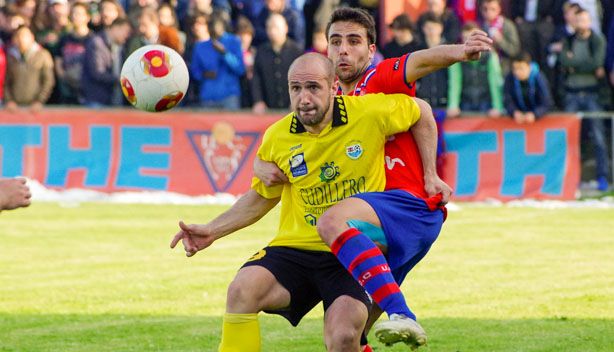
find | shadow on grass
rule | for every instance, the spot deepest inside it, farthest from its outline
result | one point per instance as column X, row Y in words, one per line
column 75, row 332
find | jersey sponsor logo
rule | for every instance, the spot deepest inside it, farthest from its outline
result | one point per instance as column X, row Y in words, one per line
column 329, row 172
column 390, row 163
column 298, row 166
column 296, row 147
column 311, row 219
column 396, row 64
column 222, row 152
column 354, row 150
column 329, row 193
column 259, row 255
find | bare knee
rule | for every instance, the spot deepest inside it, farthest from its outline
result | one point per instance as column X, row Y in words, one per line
column 330, row 226
column 344, row 322
column 343, row 340
column 240, row 298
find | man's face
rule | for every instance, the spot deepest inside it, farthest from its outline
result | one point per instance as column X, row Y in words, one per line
column 148, row 28
column 490, row 10
column 276, row 6
column 521, row 70
column 311, row 93
column 583, row 21
column 23, row 40
column 108, row 13
column 79, row 16
column 570, row 16
column 432, row 29
column 277, row 30
column 121, row 34
column 349, row 50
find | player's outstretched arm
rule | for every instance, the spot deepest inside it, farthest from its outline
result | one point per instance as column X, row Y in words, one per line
column 269, row 173
column 425, row 134
column 14, row 193
column 424, row 62
column 246, row 211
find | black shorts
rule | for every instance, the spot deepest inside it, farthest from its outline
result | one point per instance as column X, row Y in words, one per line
column 310, row 277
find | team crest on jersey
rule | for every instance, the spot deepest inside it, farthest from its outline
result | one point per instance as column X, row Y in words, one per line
column 329, row 172
column 298, row 166
column 353, row 150
column 311, row 219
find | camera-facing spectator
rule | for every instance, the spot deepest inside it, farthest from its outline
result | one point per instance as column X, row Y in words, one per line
column 582, row 57
column 502, row 31
column 535, row 26
column 403, row 40
column 273, row 59
column 109, row 11
column 70, row 54
column 467, row 91
column 217, row 65
column 29, row 76
column 527, row 94
column 319, row 43
column 150, row 32
column 57, row 24
column 102, row 65
column 168, row 19
column 451, row 23
column 245, row 31
column 294, row 22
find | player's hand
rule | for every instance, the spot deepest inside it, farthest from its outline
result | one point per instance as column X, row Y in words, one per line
column 194, row 238
column 14, row 193
column 519, row 117
column 36, row 107
column 494, row 113
column 269, row 173
column 434, row 185
column 529, row 117
column 11, row 106
column 477, row 43
column 453, row 113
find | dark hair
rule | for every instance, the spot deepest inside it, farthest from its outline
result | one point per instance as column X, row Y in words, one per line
column 244, row 25
column 431, row 17
column 523, row 57
column 358, row 16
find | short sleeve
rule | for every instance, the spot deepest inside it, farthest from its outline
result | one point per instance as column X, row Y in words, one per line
column 403, row 112
column 389, row 77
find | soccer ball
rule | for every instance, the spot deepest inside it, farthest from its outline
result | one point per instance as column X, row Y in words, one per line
column 154, row 78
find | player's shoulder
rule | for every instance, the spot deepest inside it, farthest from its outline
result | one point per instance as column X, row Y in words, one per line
column 391, row 64
column 373, row 101
column 283, row 126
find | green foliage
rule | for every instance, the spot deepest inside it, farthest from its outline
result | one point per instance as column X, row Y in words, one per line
column 100, row 277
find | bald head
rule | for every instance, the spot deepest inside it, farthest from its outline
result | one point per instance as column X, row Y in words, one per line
column 313, row 63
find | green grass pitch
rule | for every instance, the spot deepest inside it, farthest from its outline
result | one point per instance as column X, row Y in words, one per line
column 100, row 277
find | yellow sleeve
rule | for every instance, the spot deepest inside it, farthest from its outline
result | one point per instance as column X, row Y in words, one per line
column 403, row 112
column 265, row 153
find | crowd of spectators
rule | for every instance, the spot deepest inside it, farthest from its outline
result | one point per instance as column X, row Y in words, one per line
column 547, row 55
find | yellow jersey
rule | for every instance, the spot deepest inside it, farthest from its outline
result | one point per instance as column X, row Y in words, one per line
column 346, row 158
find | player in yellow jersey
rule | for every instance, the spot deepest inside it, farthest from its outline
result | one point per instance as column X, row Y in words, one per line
column 328, row 146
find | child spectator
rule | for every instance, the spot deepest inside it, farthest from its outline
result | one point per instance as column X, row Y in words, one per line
column 527, row 94
column 451, row 23
column 403, row 39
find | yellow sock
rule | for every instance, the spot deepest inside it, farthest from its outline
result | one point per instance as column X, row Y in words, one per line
column 240, row 333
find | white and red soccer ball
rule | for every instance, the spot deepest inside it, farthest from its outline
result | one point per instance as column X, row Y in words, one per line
column 154, row 78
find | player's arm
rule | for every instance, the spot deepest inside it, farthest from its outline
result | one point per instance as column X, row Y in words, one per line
column 424, row 132
column 269, row 173
column 247, row 210
column 424, row 62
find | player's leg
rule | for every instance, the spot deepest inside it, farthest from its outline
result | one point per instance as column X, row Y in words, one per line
column 359, row 255
column 344, row 321
column 253, row 289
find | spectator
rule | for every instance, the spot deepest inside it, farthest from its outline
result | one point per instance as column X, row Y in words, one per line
column 168, row 19
column 217, row 65
column 70, row 54
column 582, row 58
column 294, row 22
column 502, row 31
column 433, row 88
column 451, row 23
column 527, row 94
column 466, row 10
column 609, row 60
column 467, row 91
column 535, row 26
column 319, row 43
column 556, row 74
column 245, row 31
column 150, row 32
column 102, row 65
column 2, row 70
column 403, row 39
column 109, row 11
column 595, row 9
column 273, row 59
column 57, row 25
column 29, row 76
